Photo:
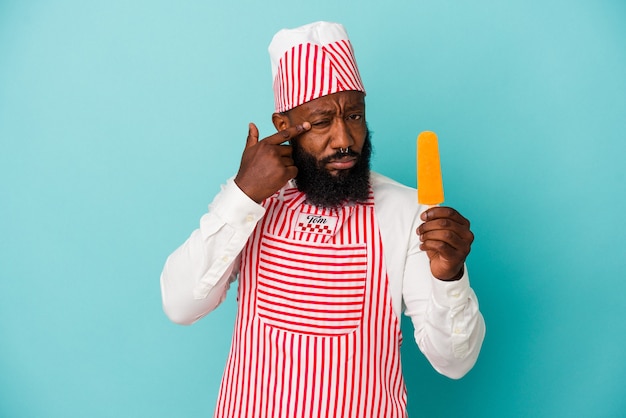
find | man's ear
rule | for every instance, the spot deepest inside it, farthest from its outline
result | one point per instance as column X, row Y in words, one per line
column 280, row 121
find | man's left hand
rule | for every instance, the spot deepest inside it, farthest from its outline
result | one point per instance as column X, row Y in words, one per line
column 446, row 238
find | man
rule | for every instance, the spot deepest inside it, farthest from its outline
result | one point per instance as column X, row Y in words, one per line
column 327, row 255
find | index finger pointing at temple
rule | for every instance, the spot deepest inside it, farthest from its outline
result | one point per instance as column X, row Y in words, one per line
column 287, row 134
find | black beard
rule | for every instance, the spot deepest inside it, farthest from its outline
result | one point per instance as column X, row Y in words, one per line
column 331, row 191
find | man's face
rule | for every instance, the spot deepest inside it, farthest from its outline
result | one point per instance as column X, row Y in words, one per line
column 337, row 122
column 328, row 176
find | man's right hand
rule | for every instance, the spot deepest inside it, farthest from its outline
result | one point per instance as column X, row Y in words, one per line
column 266, row 165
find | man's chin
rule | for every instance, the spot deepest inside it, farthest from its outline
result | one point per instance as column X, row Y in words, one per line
column 339, row 173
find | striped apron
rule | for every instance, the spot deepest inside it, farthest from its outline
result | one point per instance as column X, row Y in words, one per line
column 315, row 334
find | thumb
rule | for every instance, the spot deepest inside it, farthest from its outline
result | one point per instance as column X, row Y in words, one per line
column 253, row 135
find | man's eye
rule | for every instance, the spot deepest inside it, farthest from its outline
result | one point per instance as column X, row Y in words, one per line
column 320, row 123
column 355, row 117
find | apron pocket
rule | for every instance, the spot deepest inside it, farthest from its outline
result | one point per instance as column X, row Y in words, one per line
column 311, row 288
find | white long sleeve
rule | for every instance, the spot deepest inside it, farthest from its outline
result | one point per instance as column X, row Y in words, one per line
column 449, row 328
column 197, row 275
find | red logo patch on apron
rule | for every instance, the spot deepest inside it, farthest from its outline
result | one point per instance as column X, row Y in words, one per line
column 316, row 224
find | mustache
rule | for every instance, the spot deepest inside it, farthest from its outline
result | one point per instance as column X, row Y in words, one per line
column 339, row 155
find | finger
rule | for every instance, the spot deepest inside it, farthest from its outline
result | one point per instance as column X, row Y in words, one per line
column 288, row 134
column 253, row 135
column 443, row 224
column 438, row 212
column 444, row 252
column 288, row 161
column 284, row 150
column 445, row 240
column 459, row 236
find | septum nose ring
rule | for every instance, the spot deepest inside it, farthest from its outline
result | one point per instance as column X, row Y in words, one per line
column 343, row 150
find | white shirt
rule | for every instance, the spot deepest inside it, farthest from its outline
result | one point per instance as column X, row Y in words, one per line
column 449, row 328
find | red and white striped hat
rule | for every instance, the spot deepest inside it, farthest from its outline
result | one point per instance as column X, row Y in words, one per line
column 312, row 61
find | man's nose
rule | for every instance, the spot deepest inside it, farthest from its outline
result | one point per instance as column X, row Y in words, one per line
column 341, row 137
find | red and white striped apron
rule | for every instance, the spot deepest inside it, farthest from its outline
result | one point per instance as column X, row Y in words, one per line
column 315, row 333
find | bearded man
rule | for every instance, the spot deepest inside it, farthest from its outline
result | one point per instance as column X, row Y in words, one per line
column 328, row 255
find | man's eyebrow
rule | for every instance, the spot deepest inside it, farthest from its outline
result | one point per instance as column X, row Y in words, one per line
column 322, row 112
column 356, row 106
column 331, row 111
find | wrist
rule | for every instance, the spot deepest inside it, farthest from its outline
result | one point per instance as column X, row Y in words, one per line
column 456, row 277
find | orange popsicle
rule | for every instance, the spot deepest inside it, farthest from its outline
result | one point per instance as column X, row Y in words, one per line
column 429, row 181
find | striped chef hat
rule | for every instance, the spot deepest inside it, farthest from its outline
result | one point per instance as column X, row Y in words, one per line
column 312, row 61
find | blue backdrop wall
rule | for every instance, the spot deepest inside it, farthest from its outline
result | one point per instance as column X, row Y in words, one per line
column 119, row 120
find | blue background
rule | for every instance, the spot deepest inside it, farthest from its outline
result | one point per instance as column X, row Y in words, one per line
column 119, row 120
